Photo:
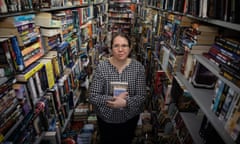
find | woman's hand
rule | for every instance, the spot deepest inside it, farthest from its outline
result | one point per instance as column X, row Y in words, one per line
column 118, row 101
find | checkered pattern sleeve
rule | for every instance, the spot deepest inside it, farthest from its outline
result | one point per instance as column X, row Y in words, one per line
column 99, row 92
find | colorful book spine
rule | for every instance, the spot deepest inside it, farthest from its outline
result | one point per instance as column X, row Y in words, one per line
column 49, row 71
column 29, row 72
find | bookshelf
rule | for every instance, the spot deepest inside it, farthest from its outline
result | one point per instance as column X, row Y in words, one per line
column 120, row 16
column 57, row 92
column 193, row 124
column 202, row 97
column 169, row 35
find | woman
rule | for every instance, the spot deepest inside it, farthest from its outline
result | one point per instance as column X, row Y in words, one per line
column 118, row 114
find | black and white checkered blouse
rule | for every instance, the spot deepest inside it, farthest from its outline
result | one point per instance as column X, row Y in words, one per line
column 99, row 91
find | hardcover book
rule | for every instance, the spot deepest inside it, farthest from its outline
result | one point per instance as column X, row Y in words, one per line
column 118, row 88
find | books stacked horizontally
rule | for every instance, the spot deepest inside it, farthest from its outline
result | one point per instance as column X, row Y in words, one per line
column 225, row 53
column 22, row 40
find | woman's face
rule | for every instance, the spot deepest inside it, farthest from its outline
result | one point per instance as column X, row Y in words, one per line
column 120, row 48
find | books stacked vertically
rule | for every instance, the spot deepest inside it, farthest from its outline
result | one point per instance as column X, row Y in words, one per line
column 49, row 4
column 15, row 6
column 175, row 59
column 57, row 106
column 231, row 125
column 49, row 72
column 225, row 105
column 35, row 76
column 24, row 37
column 57, row 67
column 228, row 10
column 11, row 109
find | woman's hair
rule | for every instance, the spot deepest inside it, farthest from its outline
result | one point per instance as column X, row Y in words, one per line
column 121, row 35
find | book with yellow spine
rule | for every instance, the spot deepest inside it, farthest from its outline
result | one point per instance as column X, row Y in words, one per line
column 49, row 71
column 29, row 72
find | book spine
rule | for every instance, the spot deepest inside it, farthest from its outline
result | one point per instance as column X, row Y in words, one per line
column 228, row 46
column 29, row 72
column 232, row 106
column 19, row 58
column 222, row 99
column 218, row 92
column 31, row 86
column 226, row 105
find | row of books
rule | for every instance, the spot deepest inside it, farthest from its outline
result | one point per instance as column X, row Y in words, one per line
column 202, row 8
column 9, row 6
column 52, row 77
column 120, row 14
column 225, row 104
column 225, row 53
column 205, row 132
column 21, row 39
column 59, row 99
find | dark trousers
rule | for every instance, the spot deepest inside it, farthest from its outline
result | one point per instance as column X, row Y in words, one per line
column 121, row 133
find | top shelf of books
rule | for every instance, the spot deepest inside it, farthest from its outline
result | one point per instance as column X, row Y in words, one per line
column 8, row 10
column 215, row 12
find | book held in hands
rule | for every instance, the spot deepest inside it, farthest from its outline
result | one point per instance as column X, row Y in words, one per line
column 118, row 88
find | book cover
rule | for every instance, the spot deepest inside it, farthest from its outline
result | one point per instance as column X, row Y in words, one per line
column 218, row 92
column 118, row 88
column 13, row 41
column 226, row 105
